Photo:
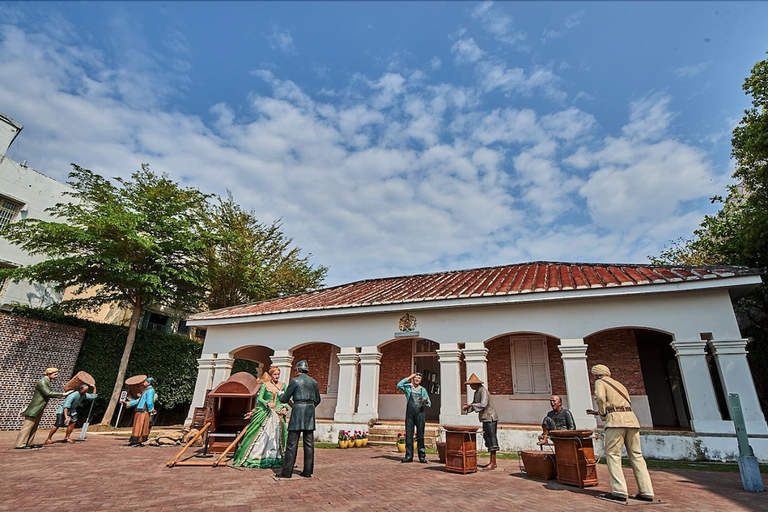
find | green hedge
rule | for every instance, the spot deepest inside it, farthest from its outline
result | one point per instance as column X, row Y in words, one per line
column 170, row 358
column 243, row 365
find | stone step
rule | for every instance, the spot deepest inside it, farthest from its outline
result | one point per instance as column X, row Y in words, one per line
column 387, row 434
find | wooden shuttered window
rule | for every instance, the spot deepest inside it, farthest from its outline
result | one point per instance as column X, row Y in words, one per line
column 530, row 365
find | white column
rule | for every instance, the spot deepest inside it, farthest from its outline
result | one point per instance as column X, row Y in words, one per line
column 475, row 359
column 204, row 382
column 222, row 368
column 449, row 356
column 368, row 403
column 702, row 401
column 283, row 360
column 345, row 399
column 736, row 376
column 574, row 355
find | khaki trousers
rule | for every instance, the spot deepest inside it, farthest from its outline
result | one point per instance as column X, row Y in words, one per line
column 615, row 438
column 28, row 430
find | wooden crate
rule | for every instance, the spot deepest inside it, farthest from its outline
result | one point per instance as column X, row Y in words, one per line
column 575, row 457
column 460, row 449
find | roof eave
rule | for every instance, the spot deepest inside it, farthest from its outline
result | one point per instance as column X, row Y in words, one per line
column 737, row 286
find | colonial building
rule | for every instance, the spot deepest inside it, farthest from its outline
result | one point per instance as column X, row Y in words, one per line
column 530, row 330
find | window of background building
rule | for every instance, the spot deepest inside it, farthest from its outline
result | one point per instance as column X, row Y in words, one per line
column 8, row 210
column 530, row 365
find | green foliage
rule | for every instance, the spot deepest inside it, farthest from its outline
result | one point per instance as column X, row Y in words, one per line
column 244, row 365
column 133, row 244
column 148, row 241
column 170, row 358
column 738, row 233
column 136, row 243
column 251, row 261
column 750, row 138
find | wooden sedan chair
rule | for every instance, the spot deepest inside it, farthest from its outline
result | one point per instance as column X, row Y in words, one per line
column 225, row 424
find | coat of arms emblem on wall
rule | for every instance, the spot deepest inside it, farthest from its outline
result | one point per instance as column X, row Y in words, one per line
column 407, row 323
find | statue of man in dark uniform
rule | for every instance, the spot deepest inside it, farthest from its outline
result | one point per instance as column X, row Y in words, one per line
column 304, row 392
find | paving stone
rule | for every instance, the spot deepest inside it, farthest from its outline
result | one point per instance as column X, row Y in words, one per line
column 110, row 477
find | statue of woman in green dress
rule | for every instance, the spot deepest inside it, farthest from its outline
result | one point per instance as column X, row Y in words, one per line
column 263, row 443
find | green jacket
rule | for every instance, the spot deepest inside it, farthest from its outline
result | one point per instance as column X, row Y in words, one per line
column 304, row 392
column 43, row 393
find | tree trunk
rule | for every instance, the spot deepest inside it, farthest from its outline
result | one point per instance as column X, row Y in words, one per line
column 107, row 420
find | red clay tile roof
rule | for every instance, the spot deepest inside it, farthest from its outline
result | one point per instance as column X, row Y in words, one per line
column 537, row 277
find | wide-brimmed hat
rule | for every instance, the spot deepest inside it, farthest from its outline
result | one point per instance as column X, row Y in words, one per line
column 601, row 369
column 302, row 365
column 51, row 370
column 473, row 380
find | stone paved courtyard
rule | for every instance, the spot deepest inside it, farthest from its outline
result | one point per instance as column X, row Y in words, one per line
column 101, row 474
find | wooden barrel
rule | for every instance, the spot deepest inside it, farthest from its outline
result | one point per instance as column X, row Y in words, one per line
column 539, row 464
column 135, row 385
column 80, row 378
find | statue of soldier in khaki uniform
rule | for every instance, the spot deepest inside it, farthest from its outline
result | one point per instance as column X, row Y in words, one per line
column 622, row 428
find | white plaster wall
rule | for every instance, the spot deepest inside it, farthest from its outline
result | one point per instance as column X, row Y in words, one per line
column 392, row 407
column 656, row 445
column 685, row 314
column 663, row 446
column 699, row 447
column 37, row 192
column 327, row 407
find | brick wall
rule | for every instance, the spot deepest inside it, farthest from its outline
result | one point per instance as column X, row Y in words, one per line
column 395, row 364
column 556, row 369
column 500, row 366
column 318, row 357
column 617, row 349
column 27, row 348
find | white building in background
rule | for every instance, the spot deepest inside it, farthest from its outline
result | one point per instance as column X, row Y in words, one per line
column 24, row 193
column 27, row 193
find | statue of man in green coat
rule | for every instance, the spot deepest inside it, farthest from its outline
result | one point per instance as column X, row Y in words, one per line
column 34, row 411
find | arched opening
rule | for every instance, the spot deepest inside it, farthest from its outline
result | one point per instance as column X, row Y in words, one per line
column 663, row 382
column 524, row 369
column 253, row 359
column 400, row 358
column 645, row 362
column 323, row 362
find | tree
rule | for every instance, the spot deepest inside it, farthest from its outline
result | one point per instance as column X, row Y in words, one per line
column 251, row 261
column 133, row 244
column 738, row 233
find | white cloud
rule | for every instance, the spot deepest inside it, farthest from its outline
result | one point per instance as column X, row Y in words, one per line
column 642, row 185
column 389, row 174
column 649, row 118
column 516, row 80
column 497, row 23
column 280, row 39
column 691, row 70
column 571, row 21
column 466, row 51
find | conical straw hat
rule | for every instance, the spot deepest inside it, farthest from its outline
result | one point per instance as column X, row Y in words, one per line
column 473, row 380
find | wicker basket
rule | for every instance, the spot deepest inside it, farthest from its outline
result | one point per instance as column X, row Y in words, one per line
column 539, row 464
column 135, row 385
column 80, row 378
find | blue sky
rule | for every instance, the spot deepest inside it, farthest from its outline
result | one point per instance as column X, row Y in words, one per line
column 394, row 138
